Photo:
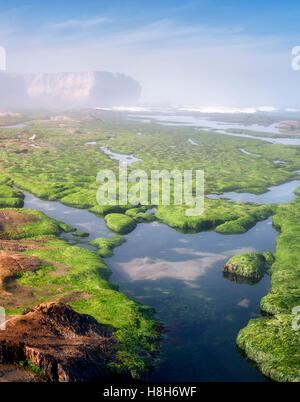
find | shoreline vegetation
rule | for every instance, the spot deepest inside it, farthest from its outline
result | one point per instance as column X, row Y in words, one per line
column 64, row 169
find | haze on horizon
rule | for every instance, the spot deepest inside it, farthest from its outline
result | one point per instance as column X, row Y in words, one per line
column 201, row 53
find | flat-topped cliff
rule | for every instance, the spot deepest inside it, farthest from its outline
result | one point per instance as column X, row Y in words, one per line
column 83, row 89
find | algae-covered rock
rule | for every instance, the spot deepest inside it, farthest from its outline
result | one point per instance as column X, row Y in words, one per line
column 140, row 215
column 10, row 198
column 273, row 342
column 108, row 209
column 120, row 223
column 106, row 246
column 249, row 265
column 219, row 215
column 132, row 212
column 274, row 345
column 81, row 234
column 269, row 257
column 144, row 217
column 240, row 279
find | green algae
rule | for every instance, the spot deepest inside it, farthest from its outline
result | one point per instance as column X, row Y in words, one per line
column 106, row 246
column 39, row 225
column 80, row 234
column 272, row 342
column 88, row 275
column 120, row 223
column 65, row 169
column 274, row 346
column 251, row 265
column 144, row 217
column 221, row 216
column 9, row 197
column 79, row 277
column 132, row 212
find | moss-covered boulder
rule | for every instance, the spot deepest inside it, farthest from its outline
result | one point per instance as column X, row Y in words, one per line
column 103, row 210
column 132, row 212
column 106, row 246
column 120, row 223
column 81, row 234
column 248, row 265
column 140, row 215
column 144, row 217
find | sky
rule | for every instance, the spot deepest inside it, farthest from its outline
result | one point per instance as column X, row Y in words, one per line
column 233, row 53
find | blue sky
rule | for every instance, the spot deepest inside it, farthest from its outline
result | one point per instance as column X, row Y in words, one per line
column 205, row 52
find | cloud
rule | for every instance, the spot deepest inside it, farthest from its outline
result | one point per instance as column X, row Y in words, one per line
column 188, row 269
column 187, row 63
column 79, row 23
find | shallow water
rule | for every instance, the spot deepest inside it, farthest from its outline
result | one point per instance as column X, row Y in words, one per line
column 249, row 153
column 188, row 120
column 218, row 127
column 20, row 125
column 192, row 142
column 180, row 276
column 122, row 158
column 276, row 194
column 278, row 162
column 273, row 140
column 81, row 219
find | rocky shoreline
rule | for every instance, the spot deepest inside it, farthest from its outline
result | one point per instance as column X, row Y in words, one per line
column 47, row 286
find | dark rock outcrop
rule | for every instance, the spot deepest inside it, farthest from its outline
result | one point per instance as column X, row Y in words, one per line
column 65, row 345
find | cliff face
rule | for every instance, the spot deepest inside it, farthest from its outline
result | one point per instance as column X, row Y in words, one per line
column 86, row 89
column 63, row 345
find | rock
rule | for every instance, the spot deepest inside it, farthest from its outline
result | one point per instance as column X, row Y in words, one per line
column 105, row 246
column 120, row 223
column 250, row 265
column 11, row 265
column 85, row 89
column 81, row 234
column 273, row 345
column 289, row 126
column 13, row 373
column 65, row 345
